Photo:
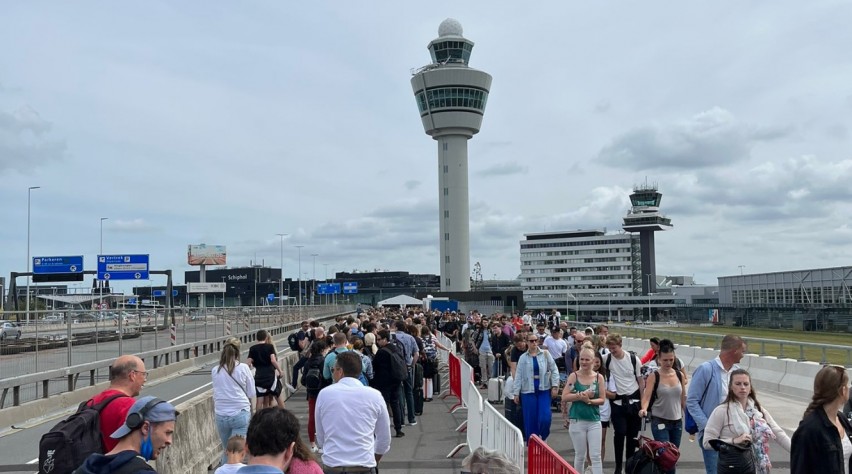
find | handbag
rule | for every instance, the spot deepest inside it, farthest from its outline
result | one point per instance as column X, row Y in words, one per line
column 664, row 453
column 734, row 458
column 689, row 424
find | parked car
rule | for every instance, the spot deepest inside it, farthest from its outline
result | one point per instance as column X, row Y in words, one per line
column 54, row 318
column 9, row 330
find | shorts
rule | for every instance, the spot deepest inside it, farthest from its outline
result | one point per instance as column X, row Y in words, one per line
column 274, row 391
column 604, row 424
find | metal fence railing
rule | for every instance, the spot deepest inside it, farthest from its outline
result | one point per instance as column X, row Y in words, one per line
column 53, row 347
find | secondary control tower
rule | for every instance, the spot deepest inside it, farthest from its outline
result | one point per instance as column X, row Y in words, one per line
column 645, row 217
column 451, row 99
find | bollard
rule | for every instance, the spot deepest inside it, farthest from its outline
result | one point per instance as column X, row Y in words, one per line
column 173, row 334
column 227, row 328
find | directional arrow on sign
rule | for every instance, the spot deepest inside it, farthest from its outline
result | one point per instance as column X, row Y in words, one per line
column 73, row 268
column 137, row 275
column 106, row 276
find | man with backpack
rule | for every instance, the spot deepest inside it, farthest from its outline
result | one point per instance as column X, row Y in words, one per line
column 623, row 367
column 340, row 342
column 298, row 341
column 145, row 433
column 387, row 377
column 62, row 449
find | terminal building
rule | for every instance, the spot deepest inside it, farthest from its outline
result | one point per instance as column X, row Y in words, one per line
column 815, row 299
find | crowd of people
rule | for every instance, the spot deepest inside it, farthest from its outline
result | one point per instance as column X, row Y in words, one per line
column 368, row 375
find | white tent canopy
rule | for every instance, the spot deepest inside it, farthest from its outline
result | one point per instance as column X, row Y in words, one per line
column 400, row 300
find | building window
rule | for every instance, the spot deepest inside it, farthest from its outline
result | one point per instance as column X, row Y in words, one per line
column 446, row 167
column 446, row 191
column 447, row 259
column 446, row 214
column 445, row 149
column 447, row 236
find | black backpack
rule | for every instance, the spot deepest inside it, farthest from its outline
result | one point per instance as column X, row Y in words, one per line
column 293, row 341
column 399, row 369
column 313, row 376
column 65, row 447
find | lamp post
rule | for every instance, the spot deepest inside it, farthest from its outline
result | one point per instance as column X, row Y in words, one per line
column 313, row 292
column 100, row 287
column 281, row 279
column 300, row 272
column 29, row 261
column 741, row 269
column 576, row 302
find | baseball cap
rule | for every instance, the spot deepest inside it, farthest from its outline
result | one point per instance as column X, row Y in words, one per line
column 145, row 409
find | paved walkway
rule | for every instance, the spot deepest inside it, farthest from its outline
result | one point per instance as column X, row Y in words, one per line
column 425, row 446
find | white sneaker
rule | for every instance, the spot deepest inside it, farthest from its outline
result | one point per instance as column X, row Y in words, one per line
column 290, row 387
column 314, row 448
column 588, row 470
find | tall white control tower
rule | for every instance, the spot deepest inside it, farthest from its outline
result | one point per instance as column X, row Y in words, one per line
column 451, row 100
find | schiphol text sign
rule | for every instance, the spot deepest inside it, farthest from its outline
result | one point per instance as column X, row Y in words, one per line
column 50, row 265
column 350, row 288
column 206, row 287
column 122, row 267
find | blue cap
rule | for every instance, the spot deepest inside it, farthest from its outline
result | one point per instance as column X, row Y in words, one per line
column 157, row 412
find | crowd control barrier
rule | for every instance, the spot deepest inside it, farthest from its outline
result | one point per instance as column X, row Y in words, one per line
column 455, row 382
column 500, row 434
column 473, row 422
column 544, row 460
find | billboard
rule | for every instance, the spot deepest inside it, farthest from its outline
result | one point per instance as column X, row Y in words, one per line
column 203, row 254
column 205, row 287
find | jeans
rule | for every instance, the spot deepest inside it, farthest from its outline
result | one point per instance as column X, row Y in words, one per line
column 228, row 426
column 486, row 363
column 312, row 424
column 408, row 395
column 711, row 456
column 296, row 368
column 625, row 426
column 391, row 396
column 586, row 434
column 537, row 415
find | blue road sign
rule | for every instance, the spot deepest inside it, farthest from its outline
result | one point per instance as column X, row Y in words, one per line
column 350, row 288
column 122, row 267
column 51, row 265
column 174, row 293
column 159, row 293
column 270, row 297
column 131, row 300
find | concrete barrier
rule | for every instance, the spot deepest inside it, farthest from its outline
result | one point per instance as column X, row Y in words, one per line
column 766, row 372
column 196, row 447
column 799, row 378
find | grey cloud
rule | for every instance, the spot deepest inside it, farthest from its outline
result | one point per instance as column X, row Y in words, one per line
column 712, row 138
column 24, row 144
column 602, row 106
column 502, row 169
column 412, row 184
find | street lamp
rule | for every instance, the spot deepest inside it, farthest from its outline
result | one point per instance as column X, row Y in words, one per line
column 300, row 272
column 281, row 280
column 741, row 268
column 29, row 261
column 100, row 287
column 315, row 255
column 576, row 302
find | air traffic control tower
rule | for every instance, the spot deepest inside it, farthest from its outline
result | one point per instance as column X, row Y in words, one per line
column 644, row 217
column 451, row 100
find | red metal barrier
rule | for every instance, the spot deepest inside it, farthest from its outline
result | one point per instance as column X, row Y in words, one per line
column 542, row 459
column 455, row 380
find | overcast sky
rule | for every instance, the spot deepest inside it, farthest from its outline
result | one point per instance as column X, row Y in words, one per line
column 226, row 123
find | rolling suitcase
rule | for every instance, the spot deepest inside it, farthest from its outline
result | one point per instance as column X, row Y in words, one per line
column 495, row 388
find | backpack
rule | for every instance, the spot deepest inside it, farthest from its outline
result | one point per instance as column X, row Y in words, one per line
column 313, row 377
column 429, row 349
column 293, row 341
column 67, row 445
column 399, row 369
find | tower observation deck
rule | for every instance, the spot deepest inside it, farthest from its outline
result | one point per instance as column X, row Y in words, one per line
column 645, row 218
column 451, row 98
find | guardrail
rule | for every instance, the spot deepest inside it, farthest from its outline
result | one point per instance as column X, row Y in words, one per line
column 70, row 377
column 500, row 434
column 801, row 351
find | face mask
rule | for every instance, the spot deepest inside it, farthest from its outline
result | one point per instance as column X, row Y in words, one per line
column 147, row 449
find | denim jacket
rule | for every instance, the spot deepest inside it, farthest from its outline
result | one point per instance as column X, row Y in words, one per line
column 548, row 373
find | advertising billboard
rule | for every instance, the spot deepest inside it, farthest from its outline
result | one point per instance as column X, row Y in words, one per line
column 205, row 287
column 203, row 254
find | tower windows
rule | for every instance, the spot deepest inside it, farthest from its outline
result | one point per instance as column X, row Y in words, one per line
column 446, row 214
column 446, row 191
column 446, row 147
column 452, row 97
column 446, row 167
column 447, row 236
column 447, row 259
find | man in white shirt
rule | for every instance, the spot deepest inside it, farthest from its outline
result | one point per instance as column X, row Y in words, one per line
column 557, row 347
column 352, row 422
